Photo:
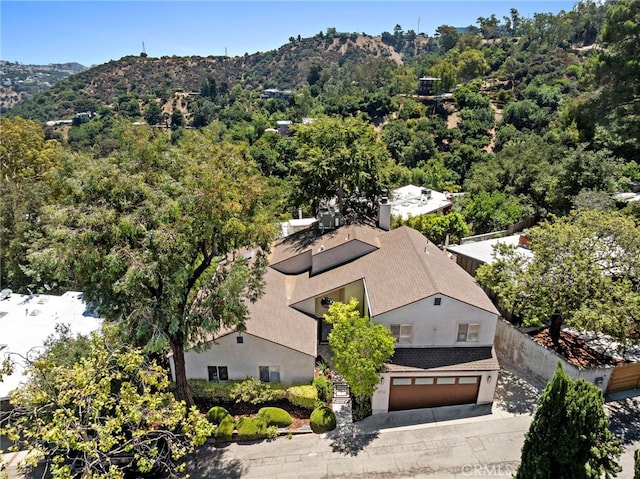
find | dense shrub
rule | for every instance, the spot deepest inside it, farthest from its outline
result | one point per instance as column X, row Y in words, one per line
column 324, row 387
column 216, row 414
column 224, row 431
column 322, row 419
column 250, row 428
column 274, row 416
column 254, row 391
column 305, row 396
column 209, row 392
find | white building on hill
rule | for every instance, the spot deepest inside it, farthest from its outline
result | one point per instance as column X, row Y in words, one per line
column 414, row 200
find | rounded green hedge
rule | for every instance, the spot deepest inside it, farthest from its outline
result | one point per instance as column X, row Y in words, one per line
column 275, row 416
column 305, row 396
column 216, row 414
column 250, row 428
column 224, row 431
column 322, row 419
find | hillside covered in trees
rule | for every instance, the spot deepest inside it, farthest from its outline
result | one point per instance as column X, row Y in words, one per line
column 542, row 118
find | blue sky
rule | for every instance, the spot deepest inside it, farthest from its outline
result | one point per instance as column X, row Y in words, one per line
column 95, row 32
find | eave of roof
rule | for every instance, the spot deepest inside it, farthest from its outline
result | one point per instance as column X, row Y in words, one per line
column 310, row 240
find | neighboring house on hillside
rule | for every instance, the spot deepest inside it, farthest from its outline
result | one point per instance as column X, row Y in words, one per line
column 443, row 322
column 275, row 93
column 414, row 200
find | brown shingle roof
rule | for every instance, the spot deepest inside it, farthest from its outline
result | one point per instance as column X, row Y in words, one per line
column 405, row 268
column 272, row 319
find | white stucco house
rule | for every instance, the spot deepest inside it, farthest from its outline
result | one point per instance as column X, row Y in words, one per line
column 412, row 200
column 443, row 322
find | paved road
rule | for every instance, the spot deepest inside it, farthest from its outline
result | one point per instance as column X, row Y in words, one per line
column 441, row 443
column 481, row 446
column 444, row 443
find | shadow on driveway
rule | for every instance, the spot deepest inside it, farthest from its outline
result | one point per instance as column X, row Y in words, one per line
column 624, row 420
column 516, row 392
column 208, row 462
column 351, row 439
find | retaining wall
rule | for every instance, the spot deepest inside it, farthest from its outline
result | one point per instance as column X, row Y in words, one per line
column 541, row 361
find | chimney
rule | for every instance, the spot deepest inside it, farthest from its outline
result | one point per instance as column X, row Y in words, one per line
column 384, row 214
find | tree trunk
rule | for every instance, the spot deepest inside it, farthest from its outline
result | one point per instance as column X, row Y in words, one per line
column 554, row 330
column 183, row 393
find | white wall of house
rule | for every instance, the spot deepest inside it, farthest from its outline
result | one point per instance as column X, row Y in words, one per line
column 438, row 325
column 488, row 381
column 243, row 360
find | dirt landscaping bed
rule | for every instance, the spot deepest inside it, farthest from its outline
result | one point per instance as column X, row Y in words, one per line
column 299, row 415
column 575, row 350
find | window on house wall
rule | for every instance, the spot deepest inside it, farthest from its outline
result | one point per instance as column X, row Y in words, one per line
column 437, row 301
column 468, row 332
column 218, row 373
column 269, row 374
column 402, row 332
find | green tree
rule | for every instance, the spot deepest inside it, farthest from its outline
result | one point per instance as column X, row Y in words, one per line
column 111, row 409
column 495, row 211
column 616, row 69
column 525, row 114
column 447, row 72
column 471, row 65
column 581, row 170
column 27, row 162
column 341, row 159
column 177, row 119
column 636, row 467
column 489, row 26
column 447, row 37
column 569, row 437
column 360, row 347
column 151, row 233
column 584, row 272
column 523, row 169
column 153, row 113
column 437, row 227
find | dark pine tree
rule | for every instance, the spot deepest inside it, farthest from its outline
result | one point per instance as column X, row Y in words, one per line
column 569, row 437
